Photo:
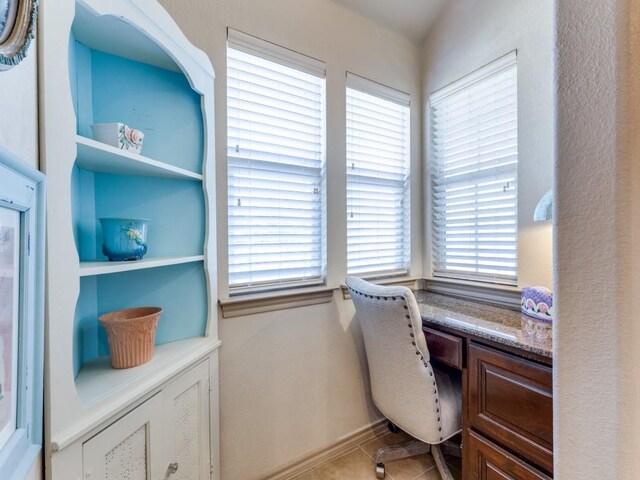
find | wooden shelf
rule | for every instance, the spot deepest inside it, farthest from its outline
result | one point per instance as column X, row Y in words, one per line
column 100, row 157
column 88, row 269
column 97, row 379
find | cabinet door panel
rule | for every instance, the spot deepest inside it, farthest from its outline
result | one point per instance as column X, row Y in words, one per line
column 510, row 400
column 487, row 461
column 186, row 406
column 124, row 450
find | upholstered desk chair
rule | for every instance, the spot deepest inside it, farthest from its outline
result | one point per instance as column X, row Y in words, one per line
column 410, row 392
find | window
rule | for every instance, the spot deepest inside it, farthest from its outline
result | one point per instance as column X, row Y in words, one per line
column 9, row 319
column 276, row 166
column 378, row 153
column 21, row 314
column 474, row 188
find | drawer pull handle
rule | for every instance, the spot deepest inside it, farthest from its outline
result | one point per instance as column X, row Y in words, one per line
column 172, row 468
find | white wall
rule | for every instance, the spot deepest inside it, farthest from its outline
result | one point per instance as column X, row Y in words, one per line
column 596, row 354
column 19, row 109
column 471, row 34
column 293, row 381
column 19, row 130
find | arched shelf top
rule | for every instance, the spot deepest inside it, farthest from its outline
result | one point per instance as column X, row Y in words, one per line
column 144, row 32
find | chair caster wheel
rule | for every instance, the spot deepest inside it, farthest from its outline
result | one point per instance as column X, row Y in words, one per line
column 380, row 471
column 393, row 428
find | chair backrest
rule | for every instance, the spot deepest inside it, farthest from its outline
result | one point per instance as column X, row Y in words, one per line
column 402, row 380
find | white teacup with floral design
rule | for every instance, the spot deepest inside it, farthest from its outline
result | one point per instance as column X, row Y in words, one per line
column 118, row 135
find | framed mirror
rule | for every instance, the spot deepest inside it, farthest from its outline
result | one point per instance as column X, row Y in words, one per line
column 17, row 28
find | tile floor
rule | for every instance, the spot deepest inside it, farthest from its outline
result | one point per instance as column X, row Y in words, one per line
column 358, row 464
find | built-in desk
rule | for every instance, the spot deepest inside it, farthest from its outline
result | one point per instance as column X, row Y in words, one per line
column 506, row 364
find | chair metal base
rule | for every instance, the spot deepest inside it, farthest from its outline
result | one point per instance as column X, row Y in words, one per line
column 413, row 448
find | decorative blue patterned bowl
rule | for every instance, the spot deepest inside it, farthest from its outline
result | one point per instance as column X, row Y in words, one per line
column 124, row 238
column 537, row 302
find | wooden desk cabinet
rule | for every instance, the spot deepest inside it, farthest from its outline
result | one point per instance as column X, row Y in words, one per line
column 507, row 406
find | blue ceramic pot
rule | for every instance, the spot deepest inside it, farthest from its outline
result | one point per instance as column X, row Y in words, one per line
column 124, row 238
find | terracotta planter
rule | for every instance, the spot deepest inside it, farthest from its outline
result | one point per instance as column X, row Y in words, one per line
column 131, row 334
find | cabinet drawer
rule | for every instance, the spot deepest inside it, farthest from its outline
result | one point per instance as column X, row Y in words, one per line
column 487, row 461
column 510, row 400
column 444, row 348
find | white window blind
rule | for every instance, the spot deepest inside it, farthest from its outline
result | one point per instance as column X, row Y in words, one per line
column 276, row 167
column 378, row 152
column 474, row 159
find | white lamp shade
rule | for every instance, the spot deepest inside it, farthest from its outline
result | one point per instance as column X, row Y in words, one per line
column 544, row 209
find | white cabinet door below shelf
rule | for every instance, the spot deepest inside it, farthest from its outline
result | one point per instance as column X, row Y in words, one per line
column 126, row 450
column 186, row 410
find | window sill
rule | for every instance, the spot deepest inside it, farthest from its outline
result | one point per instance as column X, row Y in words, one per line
column 268, row 302
column 501, row 295
column 409, row 282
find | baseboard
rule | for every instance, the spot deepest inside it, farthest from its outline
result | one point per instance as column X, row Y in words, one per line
column 325, row 454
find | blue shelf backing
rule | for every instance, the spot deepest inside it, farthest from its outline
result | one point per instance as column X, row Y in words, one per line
column 179, row 289
column 161, row 103
column 175, row 208
column 109, row 89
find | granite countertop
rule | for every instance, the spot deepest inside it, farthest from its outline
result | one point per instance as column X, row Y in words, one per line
column 498, row 324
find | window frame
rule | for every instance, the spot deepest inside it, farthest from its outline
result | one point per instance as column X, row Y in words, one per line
column 389, row 94
column 23, row 189
column 289, row 58
column 495, row 67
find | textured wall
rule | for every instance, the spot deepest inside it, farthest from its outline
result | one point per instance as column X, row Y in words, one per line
column 294, row 381
column 470, row 34
column 19, row 130
column 596, row 384
column 19, row 109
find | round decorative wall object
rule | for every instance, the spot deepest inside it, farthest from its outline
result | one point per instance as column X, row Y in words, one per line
column 17, row 28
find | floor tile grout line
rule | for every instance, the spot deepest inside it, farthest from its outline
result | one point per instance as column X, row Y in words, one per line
column 426, row 471
column 313, row 471
column 360, row 447
column 365, row 452
column 387, row 475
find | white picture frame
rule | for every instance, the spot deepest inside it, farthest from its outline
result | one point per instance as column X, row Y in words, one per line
column 22, row 190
